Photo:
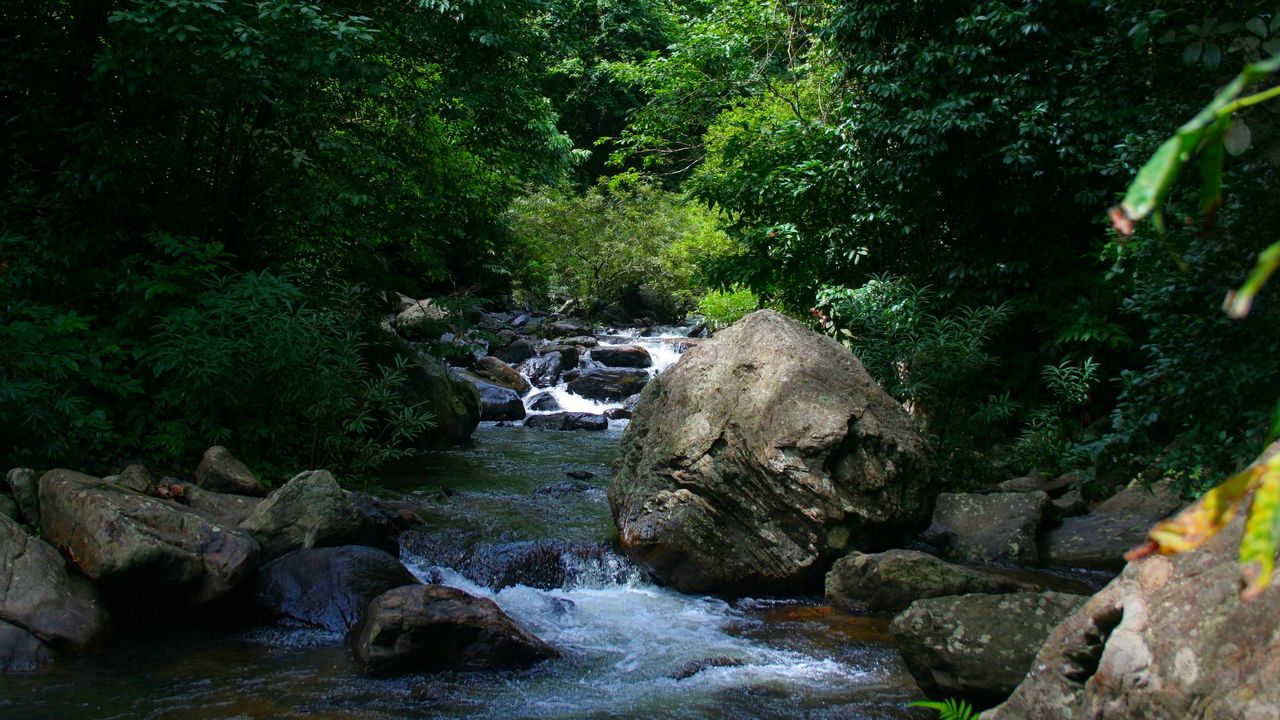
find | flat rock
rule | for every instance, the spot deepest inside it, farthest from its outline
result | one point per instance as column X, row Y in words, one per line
column 988, row 529
column 890, row 581
column 309, row 511
column 631, row 356
column 608, row 383
column 1101, row 538
column 429, row 628
column 977, row 647
column 140, row 547
column 567, row 421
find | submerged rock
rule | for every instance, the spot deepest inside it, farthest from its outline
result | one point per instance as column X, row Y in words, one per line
column 760, row 457
column 567, row 421
column 608, row 383
column 991, row 529
column 141, row 548
column 220, row 471
column 41, row 601
column 428, row 628
column 977, row 647
column 327, row 588
column 1168, row 638
column 890, row 581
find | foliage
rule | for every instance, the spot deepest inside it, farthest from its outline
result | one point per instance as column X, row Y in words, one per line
column 949, row 709
column 252, row 365
column 722, row 308
column 596, row 245
column 1206, row 134
column 1050, row 434
column 939, row 366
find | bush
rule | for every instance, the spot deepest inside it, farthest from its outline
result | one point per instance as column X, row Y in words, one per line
column 723, row 308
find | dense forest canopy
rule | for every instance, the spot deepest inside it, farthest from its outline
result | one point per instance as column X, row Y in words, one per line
column 210, row 201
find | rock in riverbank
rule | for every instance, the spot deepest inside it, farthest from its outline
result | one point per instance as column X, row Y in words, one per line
column 327, row 588
column 890, row 581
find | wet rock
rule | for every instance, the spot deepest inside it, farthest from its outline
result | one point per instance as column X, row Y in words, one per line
column 689, row 669
column 569, row 355
column 581, row 341
column 890, row 581
column 327, row 588
column 309, row 511
column 544, row 402
column 570, row 329
column 630, row 356
column 977, row 647
column 455, row 404
column 562, row 488
column 1101, row 538
column 761, row 456
column 1168, row 638
column 544, row 370
column 608, row 383
column 496, row 371
column 567, row 421
column 426, row 628
column 385, row 520
column 496, row 402
column 992, row 529
column 142, row 548
column 24, row 483
column 580, row 474
column 43, row 600
column 541, row 564
column 220, row 471
column 511, row 348
column 698, row 331
column 20, row 651
column 618, row 414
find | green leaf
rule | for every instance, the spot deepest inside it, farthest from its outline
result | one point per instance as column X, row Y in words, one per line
column 1191, row 53
column 1211, row 167
column 1157, row 175
column 1257, row 27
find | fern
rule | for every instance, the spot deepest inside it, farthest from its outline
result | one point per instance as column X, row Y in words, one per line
column 949, row 709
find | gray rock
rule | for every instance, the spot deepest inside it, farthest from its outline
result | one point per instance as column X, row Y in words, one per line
column 496, row 402
column 608, row 383
column 421, row 320
column 38, row 596
column 20, row 651
column 761, row 456
column 569, row 355
column 455, row 404
column 567, row 421
column 888, row 582
column 1071, row 504
column 513, row 350
column 1101, row 538
column 427, row 628
column 1168, row 638
column 544, row 370
column 1034, row 481
column 138, row 479
column 139, row 547
column 220, row 471
column 581, row 341
column 544, row 402
column 977, row 647
column 631, row 356
column 309, row 511
column 569, row 329
column 325, row 588
column 992, row 529
column 24, row 483
column 9, row 508
column 499, row 373
column 225, row 508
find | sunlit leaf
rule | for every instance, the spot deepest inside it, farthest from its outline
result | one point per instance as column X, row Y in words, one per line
column 1258, row 544
column 1238, row 137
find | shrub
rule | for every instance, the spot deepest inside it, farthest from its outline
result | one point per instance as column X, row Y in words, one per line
column 723, row 308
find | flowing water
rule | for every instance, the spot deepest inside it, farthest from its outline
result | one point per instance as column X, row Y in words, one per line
column 630, row 648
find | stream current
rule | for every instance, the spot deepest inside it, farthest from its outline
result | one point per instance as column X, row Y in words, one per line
column 630, row 648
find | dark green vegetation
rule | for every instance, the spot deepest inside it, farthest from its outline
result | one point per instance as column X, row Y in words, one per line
column 207, row 202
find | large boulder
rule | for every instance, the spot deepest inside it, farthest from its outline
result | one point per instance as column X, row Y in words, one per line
column 977, row 647
column 496, row 402
column 760, row 457
column 24, row 483
column 325, row 588
column 220, row 471
column 512, row 348
column 310, row 511
column 41, row 600
column 1168, row 638
column 499, row 373
column 992, row 529
column 567, row 421
column 141, row 548
column 888, row 582
column 454, row 404
column 630, row 356
column 608, row 383
column 421, row 320
column 425, row 628
column 1101, row 538
column 225, row 508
